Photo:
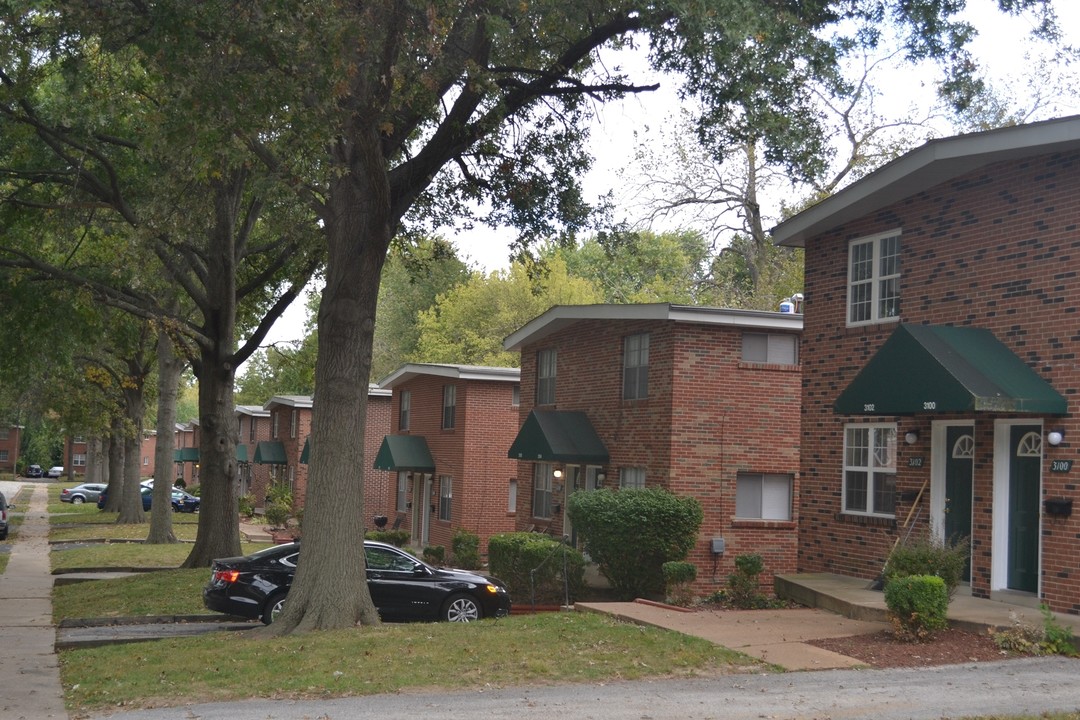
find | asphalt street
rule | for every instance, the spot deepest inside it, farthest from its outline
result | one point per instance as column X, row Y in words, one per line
column 1028, row 686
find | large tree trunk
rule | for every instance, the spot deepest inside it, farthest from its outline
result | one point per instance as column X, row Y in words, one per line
column 114, row 499
column 219, row 515
column 170, row 369
column 95, row 467
column 330, row 588
column 131, row 509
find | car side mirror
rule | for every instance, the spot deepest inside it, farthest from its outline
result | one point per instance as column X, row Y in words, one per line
column 419, row 569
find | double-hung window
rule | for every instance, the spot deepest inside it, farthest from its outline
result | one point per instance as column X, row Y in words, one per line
column 874, row 279
column 770, row 348
column 870, row 469
column 449, row 406
column 545, row 377
column 542, row 474
column 632, row 478
column 293, row 422
column 636, row 367
column 446, row 497
column 404, row 408
column 402, row 499
column 761, row 496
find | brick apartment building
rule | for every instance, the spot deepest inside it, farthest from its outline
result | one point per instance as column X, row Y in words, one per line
column 283, row 455
column 252, row 428
column 940, row 361
column 701, row 401
column 446, row 451
column 10, row 438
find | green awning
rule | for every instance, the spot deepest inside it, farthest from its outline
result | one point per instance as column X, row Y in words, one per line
column 186, row 455
column 558, row 436
column 241, row 453
column 270, row 452
column 939, row 369
column 404, row 452
column 305, row 454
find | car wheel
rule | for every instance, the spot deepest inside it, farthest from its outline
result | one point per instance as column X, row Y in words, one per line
column 77, row 500
column 273, row 608
column 461, row 608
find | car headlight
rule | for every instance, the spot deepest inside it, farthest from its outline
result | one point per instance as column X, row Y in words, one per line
column 495, row 589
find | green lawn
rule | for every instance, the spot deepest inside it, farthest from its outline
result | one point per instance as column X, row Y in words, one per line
column 547, row 648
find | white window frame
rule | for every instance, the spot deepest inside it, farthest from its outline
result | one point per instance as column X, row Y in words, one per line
column 294, row 421
column 763, row 496
column 547, row 362
column 770, row 348
column 446, row 497
column 511, row 497
column 636, row 367
column 402, row 502
column 78, row 459
column 873, row 279
column 541, row 505
column 449, row 407
column 404, row 409
column 632, row 478
column 871, row 462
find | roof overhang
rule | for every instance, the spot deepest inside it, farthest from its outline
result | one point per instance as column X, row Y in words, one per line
column 944, row 369
column 924, row 167
column 410, row 371
column 565, row 436
column 404, row 452
column 563, row 316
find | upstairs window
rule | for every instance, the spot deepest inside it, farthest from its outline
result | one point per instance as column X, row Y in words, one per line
column 870, row 470
column 874, row 279
column 770, row 348
column 449, row 406
column 636, row 367
column 293, row 420
column 251, row 429
column 404, row 408
column 545, row 377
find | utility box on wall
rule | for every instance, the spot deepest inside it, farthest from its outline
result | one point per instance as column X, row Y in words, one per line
column 718, row 546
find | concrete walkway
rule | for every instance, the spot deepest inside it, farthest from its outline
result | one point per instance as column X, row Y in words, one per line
column 29, row 670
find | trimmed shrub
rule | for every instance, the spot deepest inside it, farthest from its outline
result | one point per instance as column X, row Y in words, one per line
column 400, row 538
column 929, row 556
column 465, row 547
column 917, row 606
column 277, row 514
column 279, row 493
column 744, row 584
column 630, row 534
column 678, row 575
column 532, row 566
column 246, row 505
column 434, row 554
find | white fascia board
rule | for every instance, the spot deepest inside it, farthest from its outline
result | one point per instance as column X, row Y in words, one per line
column 456, row 372
column 935, row 162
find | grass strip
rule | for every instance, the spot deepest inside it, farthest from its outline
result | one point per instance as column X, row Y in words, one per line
column 129, row 555
column 169, row 592
column 551, row 647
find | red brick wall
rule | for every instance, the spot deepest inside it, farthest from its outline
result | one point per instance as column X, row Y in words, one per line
column 707, row 417
column 379, row 485
column 997, row 249
column 473, row 454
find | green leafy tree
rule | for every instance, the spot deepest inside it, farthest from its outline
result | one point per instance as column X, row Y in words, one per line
column 467, row 325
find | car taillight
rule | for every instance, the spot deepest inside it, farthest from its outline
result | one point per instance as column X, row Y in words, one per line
column 226, row 576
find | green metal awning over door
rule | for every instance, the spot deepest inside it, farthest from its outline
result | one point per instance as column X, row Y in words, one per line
column 186, row 454
column 404, row 452
column 558, row 436
column 939, row 368
column 270, row 452
column 241, row 453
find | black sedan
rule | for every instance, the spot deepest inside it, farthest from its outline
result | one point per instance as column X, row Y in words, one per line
column 402, row 587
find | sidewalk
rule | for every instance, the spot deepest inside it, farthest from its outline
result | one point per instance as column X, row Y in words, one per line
column 29, row 669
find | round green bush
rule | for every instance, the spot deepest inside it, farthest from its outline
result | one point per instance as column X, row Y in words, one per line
column 536, row 568
column 917, row 605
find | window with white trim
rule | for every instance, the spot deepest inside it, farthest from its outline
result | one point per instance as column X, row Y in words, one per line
column 3, row 455
column 874, row 279
column 633, row 477
column 293, row 422
column 401, row 505
column 446, row 497
column 449, row 406
column 274, row 425
column 511, row 499
column 763, row 496
column 545, row 377
column 251, row 429
column 542, row 474
column 870, row 469
column 78, row 459
column 770, row 348
column 404, row 409
column 636, row 367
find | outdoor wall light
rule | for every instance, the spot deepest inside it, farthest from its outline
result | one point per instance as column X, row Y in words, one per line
column 911, row 437
column 557, row 473
column 1055, row 436
column 600, row 477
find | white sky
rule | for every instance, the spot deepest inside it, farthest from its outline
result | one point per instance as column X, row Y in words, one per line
column 1000, row 48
